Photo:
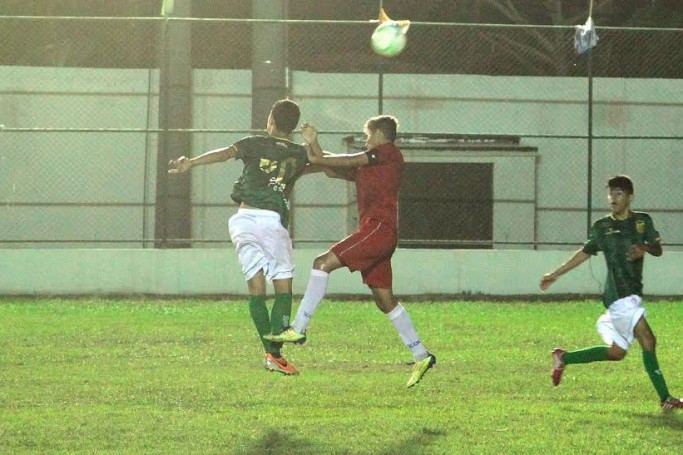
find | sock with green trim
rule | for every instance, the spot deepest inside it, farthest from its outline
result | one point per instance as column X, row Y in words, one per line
column 259, row 314
column 656, row 376
column 594, row 354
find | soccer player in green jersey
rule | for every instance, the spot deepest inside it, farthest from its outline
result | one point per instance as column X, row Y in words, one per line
column 272, row 163
column 624, row 237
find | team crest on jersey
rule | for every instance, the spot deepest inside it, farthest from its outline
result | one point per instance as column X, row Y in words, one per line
column 268, row 166
column 640, row 226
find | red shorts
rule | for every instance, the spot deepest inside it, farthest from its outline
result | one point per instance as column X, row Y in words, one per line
column 369, row 250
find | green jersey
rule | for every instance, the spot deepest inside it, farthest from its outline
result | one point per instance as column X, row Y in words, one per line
column 614, row 238
column 271, row 165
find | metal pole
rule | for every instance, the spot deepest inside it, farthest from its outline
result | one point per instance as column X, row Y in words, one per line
column 269, row 59
column 589, row 206
column 380, row 93
column 173, row 212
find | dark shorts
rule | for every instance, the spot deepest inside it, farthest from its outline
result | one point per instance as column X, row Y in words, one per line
column 369, row 250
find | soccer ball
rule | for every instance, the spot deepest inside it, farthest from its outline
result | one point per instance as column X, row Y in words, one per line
column 388, row 39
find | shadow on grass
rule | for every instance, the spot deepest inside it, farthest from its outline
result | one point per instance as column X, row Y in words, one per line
column 416, row 443
column 671, row 419
column 277, row 442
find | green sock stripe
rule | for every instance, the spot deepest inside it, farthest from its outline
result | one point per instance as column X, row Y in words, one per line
column 655, row 374
column 259, row 314
column 282, row 311
column 594, row 354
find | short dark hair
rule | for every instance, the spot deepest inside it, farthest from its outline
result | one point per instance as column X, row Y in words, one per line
column 622, row 182
column 387, row 124
column 286, row 115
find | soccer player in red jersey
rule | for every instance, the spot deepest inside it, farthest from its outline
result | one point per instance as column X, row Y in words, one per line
column 377, row 172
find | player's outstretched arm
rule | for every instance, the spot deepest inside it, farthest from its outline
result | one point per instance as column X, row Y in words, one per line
column 312, row 169
column 310, row 136
column 578, row 258
column 342, row 161
column 317, row 156
column 184, row 164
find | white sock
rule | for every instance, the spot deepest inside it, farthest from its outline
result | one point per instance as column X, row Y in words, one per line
column 315, row 291
column 401, row 320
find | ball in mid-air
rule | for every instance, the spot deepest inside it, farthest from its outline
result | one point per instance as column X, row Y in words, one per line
column 388, row 39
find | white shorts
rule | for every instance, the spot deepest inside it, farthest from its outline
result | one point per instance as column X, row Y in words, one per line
column 261, row 244
column 617, row 324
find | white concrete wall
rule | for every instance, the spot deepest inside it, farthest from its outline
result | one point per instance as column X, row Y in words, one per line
column 216, row 271
column 64, row 168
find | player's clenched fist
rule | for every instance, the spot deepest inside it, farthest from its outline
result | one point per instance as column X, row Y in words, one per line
column 182, row 164
column 309, row 133
column 547, row 280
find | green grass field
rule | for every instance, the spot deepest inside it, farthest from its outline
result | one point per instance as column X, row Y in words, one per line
column 185, row 377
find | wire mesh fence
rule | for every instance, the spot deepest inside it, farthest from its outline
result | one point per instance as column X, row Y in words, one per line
column 509, row 134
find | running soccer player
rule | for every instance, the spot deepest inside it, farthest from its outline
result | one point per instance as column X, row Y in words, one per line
column 377, row 173
column 272, row 163
column 624, row 237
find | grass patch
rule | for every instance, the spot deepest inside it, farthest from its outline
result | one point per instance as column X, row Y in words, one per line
column 185, row 376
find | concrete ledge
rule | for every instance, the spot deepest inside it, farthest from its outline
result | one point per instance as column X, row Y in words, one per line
column 186, row 272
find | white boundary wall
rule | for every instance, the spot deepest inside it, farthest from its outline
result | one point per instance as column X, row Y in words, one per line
column 216, row 271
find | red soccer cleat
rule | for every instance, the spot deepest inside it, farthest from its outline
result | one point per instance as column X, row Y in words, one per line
column 558, row 366
column 671, row 403
column 279, row 364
